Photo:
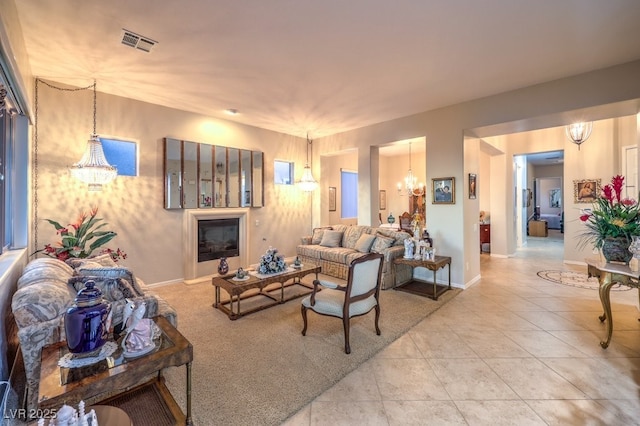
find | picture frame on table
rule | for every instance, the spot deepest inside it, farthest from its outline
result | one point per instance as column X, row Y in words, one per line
column 586, row 190
column 444, row 190
column 382, row 200
column 473, row 185
column 332, row 198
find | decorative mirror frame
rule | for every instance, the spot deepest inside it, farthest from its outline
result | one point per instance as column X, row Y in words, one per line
column 214, row 178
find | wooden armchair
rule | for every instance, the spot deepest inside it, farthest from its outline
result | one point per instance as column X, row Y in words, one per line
column 358, row 297
column 405, row 223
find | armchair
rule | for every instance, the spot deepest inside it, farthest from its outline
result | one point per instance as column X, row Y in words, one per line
column 358, row 297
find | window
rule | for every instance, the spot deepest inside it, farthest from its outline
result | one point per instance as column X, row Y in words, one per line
column 121, row 154
column 283, row 172
column 349, row 194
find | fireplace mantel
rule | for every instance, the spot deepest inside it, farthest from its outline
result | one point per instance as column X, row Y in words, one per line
column 194, row 271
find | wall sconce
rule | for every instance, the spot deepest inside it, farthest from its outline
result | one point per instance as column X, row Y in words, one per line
column 579, row 132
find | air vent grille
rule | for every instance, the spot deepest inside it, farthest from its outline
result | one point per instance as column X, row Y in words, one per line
column 131, row 39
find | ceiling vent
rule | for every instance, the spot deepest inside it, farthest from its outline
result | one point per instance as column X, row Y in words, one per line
column 131, row 39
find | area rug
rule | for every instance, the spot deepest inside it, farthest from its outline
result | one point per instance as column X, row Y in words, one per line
column 576, row 279
column 259, row 369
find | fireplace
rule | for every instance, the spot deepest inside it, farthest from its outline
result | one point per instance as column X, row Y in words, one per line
column 196, row 270
column 218, row 238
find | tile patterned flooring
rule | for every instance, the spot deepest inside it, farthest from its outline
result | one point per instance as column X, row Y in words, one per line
column 513, row 349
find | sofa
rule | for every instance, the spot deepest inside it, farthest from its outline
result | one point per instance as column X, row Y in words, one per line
column 335, row 247
column 48, row 287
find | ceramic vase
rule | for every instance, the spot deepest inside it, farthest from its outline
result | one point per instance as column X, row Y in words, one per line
column 223, row 266
column 616, row 249
column 86, row 322
column 390, row 218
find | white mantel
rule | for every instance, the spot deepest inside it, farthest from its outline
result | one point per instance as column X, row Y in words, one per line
column 198, row 271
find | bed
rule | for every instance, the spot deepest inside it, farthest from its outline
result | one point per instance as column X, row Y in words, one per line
column 553, row 220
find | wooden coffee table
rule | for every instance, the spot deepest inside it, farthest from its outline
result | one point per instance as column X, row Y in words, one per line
column 116, row 375
column 237, row 289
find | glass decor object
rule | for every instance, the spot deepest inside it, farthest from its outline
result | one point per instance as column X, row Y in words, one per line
column 390, row 218
column 86, row 322
column 634, row 248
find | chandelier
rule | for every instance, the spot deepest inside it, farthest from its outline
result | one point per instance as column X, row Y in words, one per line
column 579, row 132
column 307, row 182
column 93, row 168
column 411, row 185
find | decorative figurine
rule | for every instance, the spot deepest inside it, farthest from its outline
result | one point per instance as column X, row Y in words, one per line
column 68, row 416
column 240, row 274
column 297, row 263
column 138, row 338
column 408, row 248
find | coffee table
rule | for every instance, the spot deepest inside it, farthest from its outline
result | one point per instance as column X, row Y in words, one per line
column 116, row 375
column 237, row 289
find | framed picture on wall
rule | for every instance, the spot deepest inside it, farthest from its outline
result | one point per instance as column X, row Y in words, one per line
column 444, row 190
column 332, row 198
column 586, row 190
column 383, row 199
column 473, row 184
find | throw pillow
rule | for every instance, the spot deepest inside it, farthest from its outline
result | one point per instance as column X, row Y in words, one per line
column 112, row 288
column 381, row 243
column 317, row 235
column 102, row 260
column 331, row 239
column 364, row 243
column 123, row 273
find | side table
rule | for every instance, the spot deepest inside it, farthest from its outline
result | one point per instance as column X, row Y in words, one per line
column 425, row 288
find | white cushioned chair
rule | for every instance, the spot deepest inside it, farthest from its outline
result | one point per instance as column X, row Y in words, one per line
column 358, row 297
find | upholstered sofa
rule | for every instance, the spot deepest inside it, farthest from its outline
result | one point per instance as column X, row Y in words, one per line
column 334, row 247
column 47, row 287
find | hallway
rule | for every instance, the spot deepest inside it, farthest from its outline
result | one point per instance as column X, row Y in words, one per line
column 512, row 349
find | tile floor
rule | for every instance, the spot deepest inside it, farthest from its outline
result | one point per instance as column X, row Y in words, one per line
column 513, row 349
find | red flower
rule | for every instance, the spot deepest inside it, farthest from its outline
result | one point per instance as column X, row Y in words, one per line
column 618, row 183
column 628, row 202
column 607, row 193
column 585, row 217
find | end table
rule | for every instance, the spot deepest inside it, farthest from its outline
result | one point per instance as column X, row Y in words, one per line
column 425, row 288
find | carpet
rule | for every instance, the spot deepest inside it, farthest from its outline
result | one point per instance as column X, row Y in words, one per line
column 259, row 369
column 577, row 279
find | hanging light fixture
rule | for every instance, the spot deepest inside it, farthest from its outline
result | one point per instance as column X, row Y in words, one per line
column 307, row 182
column 411, row 185
column 579, row 132
column 93, row 168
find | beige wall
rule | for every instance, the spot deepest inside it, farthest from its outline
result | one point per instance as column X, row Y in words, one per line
column 133, row 206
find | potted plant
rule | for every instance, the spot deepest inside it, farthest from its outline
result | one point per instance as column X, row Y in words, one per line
column 612, row 222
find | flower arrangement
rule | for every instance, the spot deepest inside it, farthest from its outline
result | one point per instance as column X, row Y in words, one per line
column 80, row 239
column 271, row 262
column 611, row 216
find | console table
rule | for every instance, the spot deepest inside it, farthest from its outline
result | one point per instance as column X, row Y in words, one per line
column 425, row 288
column 609, row 274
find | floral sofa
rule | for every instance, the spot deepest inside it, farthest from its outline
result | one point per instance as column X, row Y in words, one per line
column 47, row 287
column 334, row 247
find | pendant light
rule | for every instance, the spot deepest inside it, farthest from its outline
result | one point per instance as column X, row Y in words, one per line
column 579, row 132
column 411, row 185
column 307, row 182
column 93, row 168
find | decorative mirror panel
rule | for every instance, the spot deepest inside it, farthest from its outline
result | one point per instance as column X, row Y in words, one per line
column 198, row 175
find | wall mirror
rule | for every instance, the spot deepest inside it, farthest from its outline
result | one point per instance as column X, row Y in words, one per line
column 198, row 175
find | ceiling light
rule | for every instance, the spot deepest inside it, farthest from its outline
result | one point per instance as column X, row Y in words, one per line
column 231, row 111
column 579, row 132
column 307, row 182
column 93, row 168
column 411, row 185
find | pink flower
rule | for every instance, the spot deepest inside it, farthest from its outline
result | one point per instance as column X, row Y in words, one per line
column 618, row 183
column 628, row 202
column 585, row 217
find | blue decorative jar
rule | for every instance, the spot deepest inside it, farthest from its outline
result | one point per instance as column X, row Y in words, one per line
column 86, row 322
column 390, row 218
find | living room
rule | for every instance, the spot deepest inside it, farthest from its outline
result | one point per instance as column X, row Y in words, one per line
column 478, row 136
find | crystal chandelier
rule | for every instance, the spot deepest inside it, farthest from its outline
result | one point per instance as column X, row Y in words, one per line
column 307, row 182
column 579, row 132
column 93, row 168
column 411, row 185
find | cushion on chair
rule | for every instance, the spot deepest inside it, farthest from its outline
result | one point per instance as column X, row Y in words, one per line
column 330, row 302
column 331, row 239
column 365, row 276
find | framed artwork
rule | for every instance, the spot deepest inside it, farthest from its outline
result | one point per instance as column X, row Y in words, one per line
column 444, row 190
column 554, row 197
column 473, row 185
column 332, row 198
column 382, row 200
column 586, row 190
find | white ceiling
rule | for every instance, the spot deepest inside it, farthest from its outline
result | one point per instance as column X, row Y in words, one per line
column 324, row 66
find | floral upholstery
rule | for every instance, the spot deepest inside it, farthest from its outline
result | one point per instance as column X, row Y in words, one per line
column 45, row 291
column 335, row 260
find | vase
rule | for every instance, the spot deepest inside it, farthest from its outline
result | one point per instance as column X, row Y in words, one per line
column 390, row 218
column 223, row 266
column 616, row 249
column 86, row 323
